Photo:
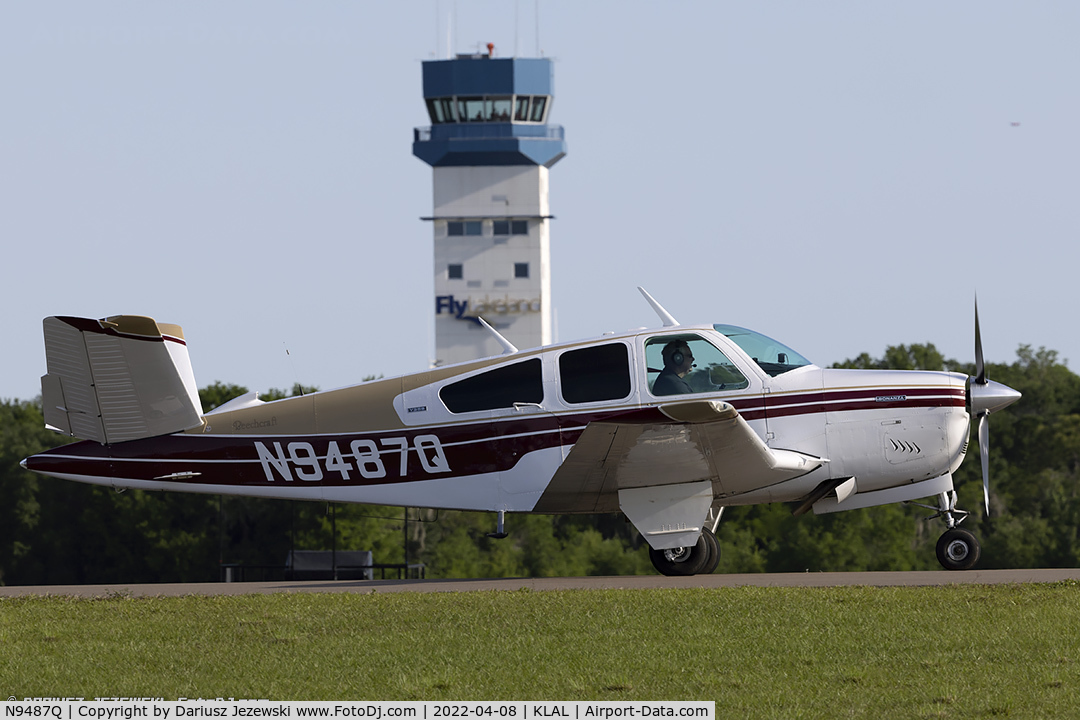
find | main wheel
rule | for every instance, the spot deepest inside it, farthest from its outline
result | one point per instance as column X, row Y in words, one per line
column 714, row 553
column 682, row 560
column 957, row 550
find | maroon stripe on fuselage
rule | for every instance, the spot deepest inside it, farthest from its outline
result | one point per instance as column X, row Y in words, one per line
column 347, row 459
column 863, row 399
column 873, row 394
column 426, row 453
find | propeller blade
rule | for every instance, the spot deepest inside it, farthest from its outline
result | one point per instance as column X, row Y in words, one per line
column 984, row 397
column 984, row 455
column 980, row 367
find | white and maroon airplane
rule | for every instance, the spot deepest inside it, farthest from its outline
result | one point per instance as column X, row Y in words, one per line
column 668, row 426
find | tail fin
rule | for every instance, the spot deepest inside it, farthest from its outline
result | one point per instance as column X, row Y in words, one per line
column 122, row 378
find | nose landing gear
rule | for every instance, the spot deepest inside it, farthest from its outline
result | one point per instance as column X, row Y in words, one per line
column 956, row 549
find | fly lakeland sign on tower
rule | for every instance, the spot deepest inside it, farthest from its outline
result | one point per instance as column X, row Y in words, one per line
column 490, row 148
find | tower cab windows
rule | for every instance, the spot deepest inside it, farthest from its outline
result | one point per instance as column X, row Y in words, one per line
column 539, row 106
column 500, row 108
column 488, row 108
column 473, row 109
column 521, row 108
column 441, row 110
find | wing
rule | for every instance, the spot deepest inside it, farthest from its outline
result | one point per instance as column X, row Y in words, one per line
column 703, row 448
column 118, row 379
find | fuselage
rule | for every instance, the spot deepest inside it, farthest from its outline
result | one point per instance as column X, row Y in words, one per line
column 491, row 434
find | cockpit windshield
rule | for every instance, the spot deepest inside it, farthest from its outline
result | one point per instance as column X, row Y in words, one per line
column 772, row 357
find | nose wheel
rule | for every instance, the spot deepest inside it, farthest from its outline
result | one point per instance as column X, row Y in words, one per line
column 956, row 549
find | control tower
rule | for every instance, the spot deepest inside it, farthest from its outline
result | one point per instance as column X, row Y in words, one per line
column 490, row 147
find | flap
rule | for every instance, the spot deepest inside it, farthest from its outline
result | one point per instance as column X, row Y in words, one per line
column 706, row 440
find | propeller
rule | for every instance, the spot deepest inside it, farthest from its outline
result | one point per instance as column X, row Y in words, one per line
column 986, row 396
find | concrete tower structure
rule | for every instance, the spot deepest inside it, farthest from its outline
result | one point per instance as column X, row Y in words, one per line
column 490, row 147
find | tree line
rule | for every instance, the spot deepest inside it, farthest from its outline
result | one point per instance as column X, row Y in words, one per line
column 55, row 531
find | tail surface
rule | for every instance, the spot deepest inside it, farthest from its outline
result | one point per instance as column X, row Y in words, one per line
column 121, row 378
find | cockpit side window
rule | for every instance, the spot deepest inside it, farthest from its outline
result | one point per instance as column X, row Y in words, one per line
column 595, row 374
column 499, row 388
column 682, row 364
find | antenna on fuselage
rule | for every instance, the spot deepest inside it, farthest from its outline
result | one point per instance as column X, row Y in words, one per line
column 665, row 316
column 288, row 354
column 508, row 347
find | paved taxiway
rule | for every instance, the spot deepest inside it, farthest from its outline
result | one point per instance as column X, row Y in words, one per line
column 827, row 579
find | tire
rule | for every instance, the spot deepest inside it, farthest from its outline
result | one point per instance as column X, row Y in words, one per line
column 958, row 550
column 714, row 553
column 683, row 561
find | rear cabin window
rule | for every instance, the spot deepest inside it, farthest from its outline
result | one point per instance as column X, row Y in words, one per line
column 594, row 374
column 499, row 388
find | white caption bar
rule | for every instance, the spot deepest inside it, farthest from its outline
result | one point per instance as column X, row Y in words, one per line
column 197, row 708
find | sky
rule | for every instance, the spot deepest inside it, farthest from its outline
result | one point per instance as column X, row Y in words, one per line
column 842, row 176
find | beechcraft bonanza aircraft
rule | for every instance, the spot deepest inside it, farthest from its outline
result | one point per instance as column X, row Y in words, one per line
column 668, row 426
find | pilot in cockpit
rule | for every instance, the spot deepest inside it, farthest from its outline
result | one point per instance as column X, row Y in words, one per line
column 678, row 361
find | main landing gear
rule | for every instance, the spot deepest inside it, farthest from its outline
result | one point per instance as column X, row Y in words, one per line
column 957, row 549
column 701, row 559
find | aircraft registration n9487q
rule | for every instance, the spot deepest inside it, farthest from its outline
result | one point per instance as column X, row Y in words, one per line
column 668, row 426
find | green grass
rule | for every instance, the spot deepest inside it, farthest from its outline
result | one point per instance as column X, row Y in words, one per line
column 950, row 652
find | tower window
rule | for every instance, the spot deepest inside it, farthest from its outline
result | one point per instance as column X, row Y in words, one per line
column 435, row 111
column 447, row 109
column 441, row 110
column 510, row 227
column 455, row 271
column 500, row 111
column 521, row 108
column 457, row 228
column 473, row 109
column 539, row 105
column 521, row 270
